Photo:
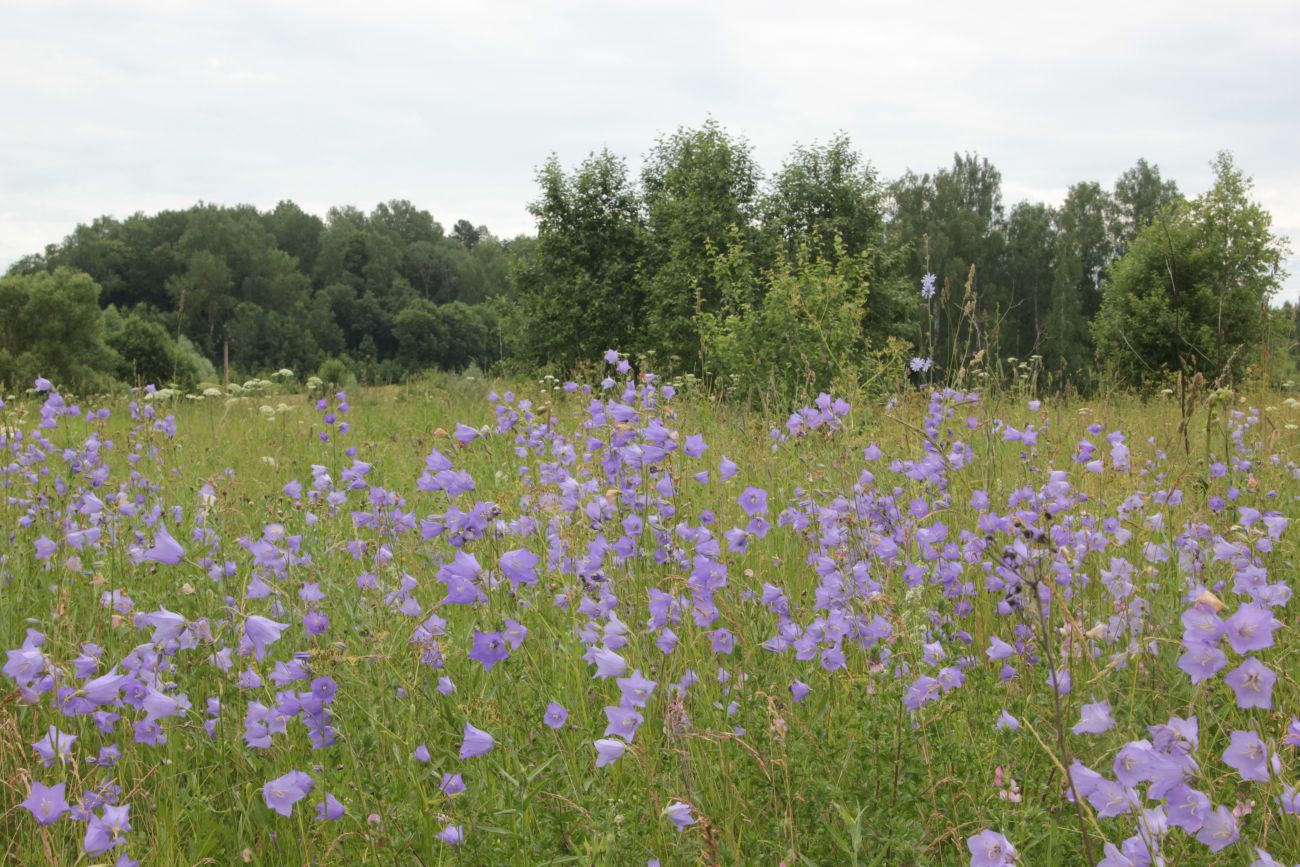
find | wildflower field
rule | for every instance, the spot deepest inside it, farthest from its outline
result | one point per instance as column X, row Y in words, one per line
column 605, row 622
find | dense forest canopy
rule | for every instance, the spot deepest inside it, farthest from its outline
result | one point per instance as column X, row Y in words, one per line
column 388, row 291
column 771, row 284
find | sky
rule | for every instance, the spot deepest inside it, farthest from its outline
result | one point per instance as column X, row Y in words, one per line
column 141, row 105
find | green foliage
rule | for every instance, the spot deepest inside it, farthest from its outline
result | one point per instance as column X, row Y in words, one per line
column 469, row 337
column 1083, row 254
column 336, row 372
column 1191, row 292
column 421, row 333
column 827, row 203
column 1280, row 361
column 281, row 288
column 484, row 272
column 428, row 267
column 131, row 259
column 823, row 193
column 615, row 265
column 631, row 261
column 949, row 222
column 468, row 234
column 1035, row 275
column 203, row 291
column 296, row 232
column 1031, row 258
column 579, row 289
column 448, row 336
column 701, row 192
column 147, row 354
column 191, row 358
column 265, row 340
column 1141, row 195
column 51, row 325
column 789, row 342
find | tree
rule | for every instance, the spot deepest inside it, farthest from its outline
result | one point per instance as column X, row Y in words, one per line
column 148, row 354
column 483, row 273
column 405, row 223
column 825, row 192
column 1140, row 196
column 427, row 265
column 1190, row 295
column 265, row 340
column 1084, row 252
column 319, row 318
column 1030, row 260
column 799, row 334
column 296, row 233
column 421, row 333
column 468, row 341
column 467, row 234
column 698, row 185
column 276, row 284
column 131, row 259
column 1281, row 364
column 279, row 288
column 949, row 223
column 204, row 293
column 342, row 248
column 580, row 286
column 51, row 324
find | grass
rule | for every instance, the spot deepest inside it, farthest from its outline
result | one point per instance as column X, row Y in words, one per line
column 846, row 776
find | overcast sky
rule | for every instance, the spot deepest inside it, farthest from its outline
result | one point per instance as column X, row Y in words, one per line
column 140, row 105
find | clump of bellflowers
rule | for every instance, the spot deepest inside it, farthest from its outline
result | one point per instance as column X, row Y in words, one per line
column 599, row 595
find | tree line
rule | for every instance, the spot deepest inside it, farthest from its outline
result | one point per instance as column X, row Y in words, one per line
column 178, row 295
column 772, row 285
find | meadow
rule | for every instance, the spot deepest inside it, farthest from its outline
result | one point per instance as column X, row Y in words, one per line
column 614, row 621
